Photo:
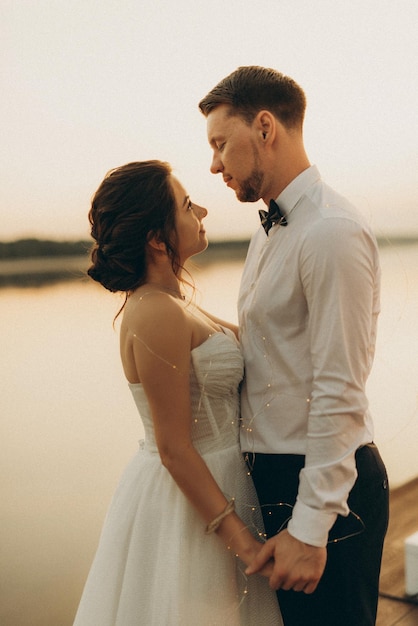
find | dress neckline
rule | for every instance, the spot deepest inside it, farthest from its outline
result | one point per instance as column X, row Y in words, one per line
column 225, row 332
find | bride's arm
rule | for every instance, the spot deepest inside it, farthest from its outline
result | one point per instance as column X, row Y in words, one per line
column 162, row 357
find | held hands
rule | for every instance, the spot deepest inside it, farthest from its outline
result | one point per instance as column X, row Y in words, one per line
column 249, row 557
column 241, row 542
column 297, row 566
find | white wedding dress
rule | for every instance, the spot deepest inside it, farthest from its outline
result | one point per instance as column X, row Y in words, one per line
column 155, row 566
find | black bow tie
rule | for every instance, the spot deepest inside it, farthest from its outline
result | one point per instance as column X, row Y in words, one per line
column 274, row 216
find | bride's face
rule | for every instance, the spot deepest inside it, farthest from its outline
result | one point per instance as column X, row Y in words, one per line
column 191, row 235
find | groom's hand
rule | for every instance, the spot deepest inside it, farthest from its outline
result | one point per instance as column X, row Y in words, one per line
column 297, row 565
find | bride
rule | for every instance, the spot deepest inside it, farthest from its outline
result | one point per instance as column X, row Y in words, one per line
column 184, row 521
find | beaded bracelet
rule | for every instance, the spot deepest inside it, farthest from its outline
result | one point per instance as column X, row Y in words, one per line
column 214, row 524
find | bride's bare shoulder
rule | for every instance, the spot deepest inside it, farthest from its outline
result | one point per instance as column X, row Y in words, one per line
column 153, row 312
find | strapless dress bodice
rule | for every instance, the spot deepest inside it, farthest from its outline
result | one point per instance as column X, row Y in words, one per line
column 216, row 372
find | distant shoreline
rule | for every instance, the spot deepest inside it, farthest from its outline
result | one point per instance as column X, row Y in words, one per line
column 40, row 268
column 33, row 262
column 38, row 271
column 33, row 247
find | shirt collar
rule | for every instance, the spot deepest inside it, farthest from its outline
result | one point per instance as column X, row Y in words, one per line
column 291, row 195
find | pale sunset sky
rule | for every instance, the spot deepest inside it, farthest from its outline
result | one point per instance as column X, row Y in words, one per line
column 87, row 85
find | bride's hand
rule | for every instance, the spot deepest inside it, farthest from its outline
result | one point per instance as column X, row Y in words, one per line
column 241, row 542
column 250, row 550
column 268, row 567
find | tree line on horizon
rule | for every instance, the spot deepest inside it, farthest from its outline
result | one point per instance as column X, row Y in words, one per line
column 33, row 247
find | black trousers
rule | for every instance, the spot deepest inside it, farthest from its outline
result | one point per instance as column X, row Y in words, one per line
column 347, row 593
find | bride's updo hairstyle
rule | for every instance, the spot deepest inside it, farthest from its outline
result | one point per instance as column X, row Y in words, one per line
column 133, row 203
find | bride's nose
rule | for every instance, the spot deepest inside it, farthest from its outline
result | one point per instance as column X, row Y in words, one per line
column 200, row 211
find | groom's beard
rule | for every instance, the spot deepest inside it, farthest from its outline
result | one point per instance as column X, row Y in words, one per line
column 250, row 189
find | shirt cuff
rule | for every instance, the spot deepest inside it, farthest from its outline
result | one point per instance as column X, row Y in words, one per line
column 310, row 525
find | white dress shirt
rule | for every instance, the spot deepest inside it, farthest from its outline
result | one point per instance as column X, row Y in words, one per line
column 308, row 308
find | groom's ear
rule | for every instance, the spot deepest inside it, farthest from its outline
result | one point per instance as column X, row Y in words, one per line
column 265, row 126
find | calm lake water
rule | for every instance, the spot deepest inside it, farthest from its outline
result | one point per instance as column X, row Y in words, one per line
column 69, row 426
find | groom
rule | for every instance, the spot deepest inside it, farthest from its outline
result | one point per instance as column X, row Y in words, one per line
column 308, row 308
